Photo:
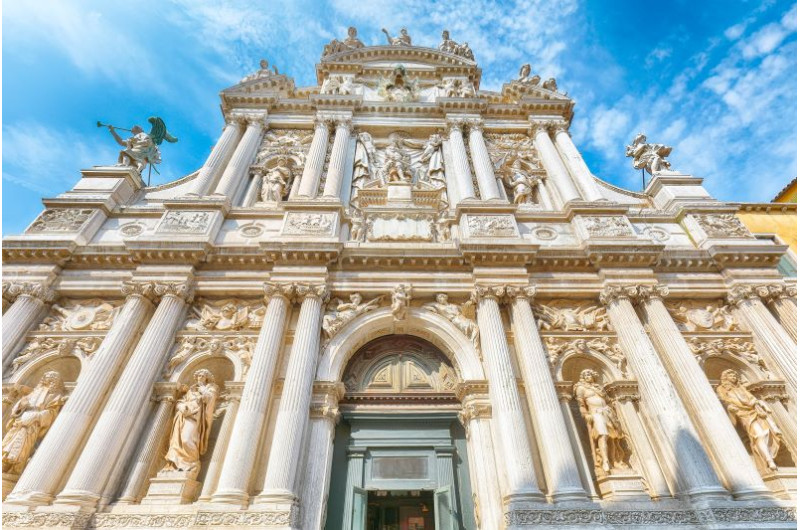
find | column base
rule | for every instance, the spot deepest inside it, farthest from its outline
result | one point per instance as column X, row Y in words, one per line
column 81, row 498
column 9, row 481
column 707, row 493
column 231, row 496
column 28, row 498
column 172, row 487
column 523, row 499
column 279, row 497
column 569, row 495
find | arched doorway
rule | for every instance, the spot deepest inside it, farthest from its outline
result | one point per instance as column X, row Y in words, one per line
column 400, row 454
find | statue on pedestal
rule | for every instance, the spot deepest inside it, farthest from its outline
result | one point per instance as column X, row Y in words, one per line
column 401, row 40
column 605, row 431
column 525, row 77
column 141, row 148
column 401, row 298
column 352, row 42
column 432, row 155
column 397, row 162
column 261, row 73
column 650, row 157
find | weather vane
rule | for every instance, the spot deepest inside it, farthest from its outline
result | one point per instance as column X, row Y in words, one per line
column 141, row 149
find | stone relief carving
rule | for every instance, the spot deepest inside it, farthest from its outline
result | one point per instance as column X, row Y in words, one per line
column 191, row 425
column 12, row 289
column 738, row 348
column 401, row 299
column 659, row 235
column 754, row 416
column 61, row 220
column 606, row 226
column 441, row 227
column 455, row 87
column 722, row 225
column 80, row 347
column 30, row 418
column 358, row 225
column 492, row 226
column 650, row 157
column 79, row 315
column 605, row 432
column 338, row 85
column 432, row 156
column 450, row 46
column 569, row 315
column 402, row 39
column 238, row 345
column 462, row 316
column 132, row 229
column 396, row 165
column 693, row 316
column 229, row 314
column 284, row 142
column 340, row 312
column 603, row 346
column 398, row 87
column 251, row 230
column 309, row 223
column 185, row 222
column 352, row 42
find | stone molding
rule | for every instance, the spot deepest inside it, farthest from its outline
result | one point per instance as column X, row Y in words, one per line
column 643, row 517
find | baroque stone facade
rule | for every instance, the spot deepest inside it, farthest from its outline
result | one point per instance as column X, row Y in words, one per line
column 396, row 299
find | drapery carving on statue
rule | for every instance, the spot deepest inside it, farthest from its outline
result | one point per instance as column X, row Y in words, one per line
column 559, row 349
column 364, row 161
column 340, row 312
column 754, row 416
column 30, row 418
column 735, row 347
column 403, row 39
column 278, row 175
column 607, row 226
column 434, row 158
column 450, row 46
column 339, row 85
column 441, row 227
column 401, row 299
column 462, row 316
column 61, row 220
column 81, row 315
column 398, row 86
column 189, row 346
column 230, row 314
column 191, row 425
column 398, row 158
column 609, row 448
column 39, row 346
column 722, row 225
column 693, row 315
column 455, row 87
column 518, row 177
column 571, row 315
column 284, row 142
column 352, row 42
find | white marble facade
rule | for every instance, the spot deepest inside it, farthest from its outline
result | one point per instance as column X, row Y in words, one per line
column 181, row 355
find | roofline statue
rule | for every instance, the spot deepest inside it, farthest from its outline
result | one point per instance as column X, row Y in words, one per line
column 141, row 148
column 650, row 157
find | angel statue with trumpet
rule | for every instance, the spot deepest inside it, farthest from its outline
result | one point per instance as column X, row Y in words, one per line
column 141, row 148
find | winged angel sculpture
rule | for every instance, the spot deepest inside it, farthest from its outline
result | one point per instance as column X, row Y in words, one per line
column 141, row 148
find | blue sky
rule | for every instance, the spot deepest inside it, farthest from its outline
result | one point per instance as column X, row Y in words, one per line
column 715, row 79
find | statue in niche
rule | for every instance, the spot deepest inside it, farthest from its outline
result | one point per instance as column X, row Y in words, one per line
column 459, row 315
column 401, row 298
column 352, row 42
column 364, row 160
column 650, row 157
column 605, row 432
column 262, row 72
column 396, row 161
column 401, row 40
column 755, row 417
column 358, row 229
column 524, row 76
column 441, row 227
column 276, row 181
column 432, row 155
column 31, row 417
column 519, row 181
column 344, row 312
column 191, row 424
column 398, row 87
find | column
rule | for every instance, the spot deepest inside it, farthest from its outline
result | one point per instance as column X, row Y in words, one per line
column 315, row 160
column 333, row 182
column 560, row 467
column 243, row 156
column 317, row 474
column 737, row 469
column 552, row 162
column 660, row 402
column 134, row 488
column 355, row 478
column 577, row 166
column 771, row 338
column 460, row 162
column 782, row 301
column 242, row 451
column 130, row 394
column 487, row 183
column 217, row 159
column 29, row 301
column 215, row 463
column 251, row 196
column 506, row 405
column 39, row 481
column 287, row 444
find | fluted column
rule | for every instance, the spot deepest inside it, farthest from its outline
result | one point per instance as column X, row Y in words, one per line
column 737, row 469
column 215, row 463
column 774, row 343
column 782, row 301
column 243, row 156
column 130, row 393
column 577, row 166
column 355, row 479
column 251, row 196
column 660, row 401
column 585, row 462
column 561, row 470
column 216, row 160
column 506, row 404
column 287, row 444
column 552, row 162
column 460, row 162
column 333, row 182
column 315, row 160
column 317, row 473
column 134, row 488
column 29, row 301
column 487, row 183
column 240, row 459
column 44, row 472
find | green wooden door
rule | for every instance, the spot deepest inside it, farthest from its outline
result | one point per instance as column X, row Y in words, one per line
column 359, row 509
column 445, row 514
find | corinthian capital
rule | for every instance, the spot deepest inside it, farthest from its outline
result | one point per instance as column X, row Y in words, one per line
column 637, row 293
column 515, row 292
column 283, row 289
column 13, row 289
column 560, row 126
column 740, row 293
column 305, row 290
column 616, row 292
column 651, row 292
column 538, row 125
column 474, row 124
column 138, row 288
column 492, row 292
column 777, row 291
column 182, row 290
column 456, row 122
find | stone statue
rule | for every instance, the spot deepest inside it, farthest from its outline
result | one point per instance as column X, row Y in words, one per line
column 340, row 85
column 401, row 40
column 397, row 162
column 650, row 157
column 261, row 73
column 229, row 317
column 524, row 76
column 605, row 432
column 357, row 226
column 571, row 316
column 432, row 155
column 441, row 227
column 753, row 415
column 31, row 417
column 141, row 148
column 364, row 160
column 550, row 84
column 456, row 314
column 398, row 87
column 191, row 424
column 345, row 312
column 520, row 182
column 453, row 87
column 451, row 46
column 276, row 182
column 352, row 42
column 693, row 316
column 401, row 298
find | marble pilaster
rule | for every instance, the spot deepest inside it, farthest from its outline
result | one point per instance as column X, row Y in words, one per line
column 552, row 162
column 243, row 155
column 315, row 160
column 577, row 166
column 215, row 163
column 29, row 300
column 487, row 183
column 460, row 163
column 782, row 301
column 336, row 169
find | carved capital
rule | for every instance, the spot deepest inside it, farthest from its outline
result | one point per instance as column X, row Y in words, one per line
column 564, row 391
column 538, row 125
column 612, row 293
column 623, row 391
column 490, row 292
column 456, row 123
column 165, row 392
column 527, row 293
column 182, row 290
column 475, row 410
column 770, row 391
column 138, row 288
column 344, row 122
column 13, row 289
column 777, row 291
column 305, row 290
column 560, row 127
column 471, row 389
column 741, row 293
column 282, row 289
column 651, row 292
column 474, row 124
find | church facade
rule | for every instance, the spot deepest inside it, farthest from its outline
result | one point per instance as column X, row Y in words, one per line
column 395, row 300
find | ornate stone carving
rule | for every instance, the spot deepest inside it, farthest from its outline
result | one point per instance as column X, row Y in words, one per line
column 607, row 226
column 338, row 85
column 30, row 418
column 398, row 87
column 559, row 348
column 462, row 316
column 230, row 314
column 645, row 517
column 722, row 225
column 605, row 432
column 455, row 87
column 396, row 161
column 263, row 72
column 352, row 42
column 432, row 156
column 441, row 227
column 755, row 417
column 650, row 157
column 13, row 289
column 492, row 226
column 569, row 315
column 185, row 222
column 80, row 315
column 80, row 347
column 289, row 143
column 399, row 227
column 191, row 425
column 238, row 345
column 524, row 77
column 306, row 290
column 276, row 182
column 659, row 235
column 251, row 230
column 61, row 220
column 341, row 312
column 283, row 289
column 364, row 161
column 402, row 39
column 450, row 46
column 300, row 223
column 518, row 179
column 697, row 315
column 401, row 299
column 181, row 290
column 736, row 347
column 132, row 229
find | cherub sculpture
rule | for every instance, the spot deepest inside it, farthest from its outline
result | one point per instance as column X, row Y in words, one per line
column 344, row 312
column 459, row 315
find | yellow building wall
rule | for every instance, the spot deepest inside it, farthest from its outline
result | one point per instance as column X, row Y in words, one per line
column 782, row 223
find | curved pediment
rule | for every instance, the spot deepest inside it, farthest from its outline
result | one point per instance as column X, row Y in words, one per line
column 406, row 54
